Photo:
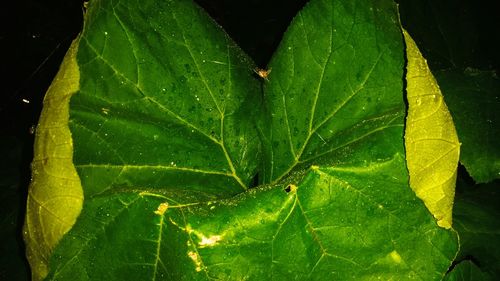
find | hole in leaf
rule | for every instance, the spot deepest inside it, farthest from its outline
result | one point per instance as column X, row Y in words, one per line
column 290, row 188
column 466, row 258
column 255, row 181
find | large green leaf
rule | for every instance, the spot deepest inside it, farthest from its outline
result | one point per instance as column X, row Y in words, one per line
column 473, row 97
column 335, row 91
column 348, row 223
column 166, row 148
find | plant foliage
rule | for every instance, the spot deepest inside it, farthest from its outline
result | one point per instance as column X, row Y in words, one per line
column 192, row 167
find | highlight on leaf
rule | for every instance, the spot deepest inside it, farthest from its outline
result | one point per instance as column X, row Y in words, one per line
column 432, row 146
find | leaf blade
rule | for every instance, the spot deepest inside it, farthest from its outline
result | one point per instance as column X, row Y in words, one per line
column 55, row 196
column 322, row 85
column 151, row 77
column 310, row 232
column 432, row 147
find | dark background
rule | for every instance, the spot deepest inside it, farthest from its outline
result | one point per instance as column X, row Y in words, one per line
column 34, row 36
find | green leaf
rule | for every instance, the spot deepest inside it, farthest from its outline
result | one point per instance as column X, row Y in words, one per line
column 467, row 271
column 473, row 99
column 347, row 223
column 334, row 95
column 166, row 148
column 477, row 220
column 166, row 101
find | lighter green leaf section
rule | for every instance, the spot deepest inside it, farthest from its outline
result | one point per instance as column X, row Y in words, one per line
column 432, row 147
column 55, row 194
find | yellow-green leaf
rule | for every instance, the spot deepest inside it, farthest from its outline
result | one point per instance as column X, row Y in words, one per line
column 55, row 195
column 432, row 147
